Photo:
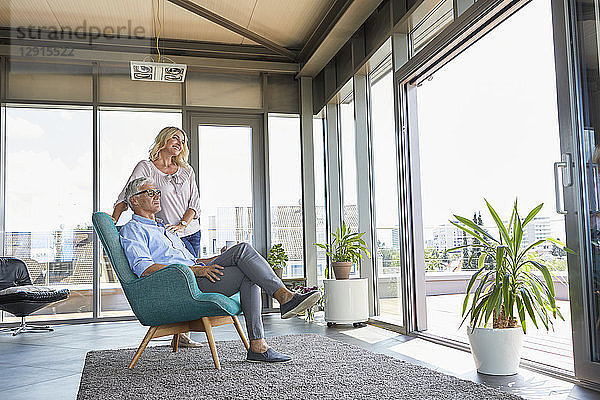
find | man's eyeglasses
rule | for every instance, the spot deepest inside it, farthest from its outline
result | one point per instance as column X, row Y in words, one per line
column 150, row 192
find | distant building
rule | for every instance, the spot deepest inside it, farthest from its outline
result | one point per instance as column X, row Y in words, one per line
column 395, row 238
column 446, row 237
column 66, row 256
column 351, row 216
column 286, row 228
column 55, row 257
column 537, row 229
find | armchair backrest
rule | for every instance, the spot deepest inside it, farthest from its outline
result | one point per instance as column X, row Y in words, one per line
column 13, row 272
column 109, row 237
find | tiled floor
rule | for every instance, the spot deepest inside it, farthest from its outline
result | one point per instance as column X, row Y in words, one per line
column 48, row 365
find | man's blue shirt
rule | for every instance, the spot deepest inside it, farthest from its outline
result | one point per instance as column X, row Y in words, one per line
column 147, row 242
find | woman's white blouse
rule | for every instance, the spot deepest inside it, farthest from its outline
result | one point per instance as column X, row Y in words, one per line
column 178, row 193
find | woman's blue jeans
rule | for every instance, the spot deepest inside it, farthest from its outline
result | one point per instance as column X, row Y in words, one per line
column 192, row 243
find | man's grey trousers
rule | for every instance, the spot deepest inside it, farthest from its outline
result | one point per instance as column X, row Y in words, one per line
column 245, row 271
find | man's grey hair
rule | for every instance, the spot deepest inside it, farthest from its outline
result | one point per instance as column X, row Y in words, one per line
column 134, row 187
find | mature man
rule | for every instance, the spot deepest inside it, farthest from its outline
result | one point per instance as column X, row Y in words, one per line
column 150, row 247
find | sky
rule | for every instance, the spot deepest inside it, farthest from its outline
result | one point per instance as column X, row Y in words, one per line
column 49, row 168
column 284, row 161
column 55, row 147
column 384, row 153
column 488, row 124
column 348, row 148
column 225, row 174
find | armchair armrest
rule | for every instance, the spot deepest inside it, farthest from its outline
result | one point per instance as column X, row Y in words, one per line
column 180, row 275
column 171, row 294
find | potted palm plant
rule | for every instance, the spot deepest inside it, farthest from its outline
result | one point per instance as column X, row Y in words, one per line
column 510, row 285
column 277, row 258
column 345, row 249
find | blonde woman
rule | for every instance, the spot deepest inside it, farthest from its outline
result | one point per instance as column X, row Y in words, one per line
column 176, row 182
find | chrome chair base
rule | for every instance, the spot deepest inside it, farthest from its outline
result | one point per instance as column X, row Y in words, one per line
column 25, row 328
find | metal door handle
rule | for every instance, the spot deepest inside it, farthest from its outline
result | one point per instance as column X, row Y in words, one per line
column 565, row 165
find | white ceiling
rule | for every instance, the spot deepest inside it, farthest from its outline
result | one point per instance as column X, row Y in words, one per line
column 288, row 23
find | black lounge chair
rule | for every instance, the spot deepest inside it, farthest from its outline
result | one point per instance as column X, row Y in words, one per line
column 20, row 297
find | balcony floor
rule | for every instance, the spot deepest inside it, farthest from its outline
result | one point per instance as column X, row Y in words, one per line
column 554, row 348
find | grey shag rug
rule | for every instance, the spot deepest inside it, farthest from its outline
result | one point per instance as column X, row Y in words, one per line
column 322, row 368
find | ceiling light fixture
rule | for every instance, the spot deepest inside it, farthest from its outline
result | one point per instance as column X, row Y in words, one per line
column 159, row 71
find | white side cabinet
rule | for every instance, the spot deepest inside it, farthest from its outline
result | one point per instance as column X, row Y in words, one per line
column 346, row 301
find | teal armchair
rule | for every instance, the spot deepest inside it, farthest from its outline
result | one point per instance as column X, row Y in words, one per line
column 168, row 300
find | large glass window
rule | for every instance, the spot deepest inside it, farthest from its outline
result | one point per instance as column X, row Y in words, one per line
column 348, row 150
column 125, row 138
column 385, row 176
column 348, row 147
column 225, row 177
column 49, row 202
column 320, row 210
column 286, row 190
column 488, row 128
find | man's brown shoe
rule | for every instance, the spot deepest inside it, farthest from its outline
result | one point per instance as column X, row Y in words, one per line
column 185, row 341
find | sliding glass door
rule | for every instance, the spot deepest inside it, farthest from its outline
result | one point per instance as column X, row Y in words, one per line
column 514, row 116
column 228, row 153
column 579, row 106
column 487, row 129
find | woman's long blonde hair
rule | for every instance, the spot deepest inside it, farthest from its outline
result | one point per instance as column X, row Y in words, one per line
column 161, row 140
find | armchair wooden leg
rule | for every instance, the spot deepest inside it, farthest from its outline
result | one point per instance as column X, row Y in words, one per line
column 211, row 341
column 240, row 332
column 175, row 342
column 143, row 345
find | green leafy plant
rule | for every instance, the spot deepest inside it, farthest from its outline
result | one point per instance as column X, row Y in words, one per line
column 345, row 246
column 510, row 289
column 277, row 256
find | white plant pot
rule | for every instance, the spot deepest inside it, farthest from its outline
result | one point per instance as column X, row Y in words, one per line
column 496, row 351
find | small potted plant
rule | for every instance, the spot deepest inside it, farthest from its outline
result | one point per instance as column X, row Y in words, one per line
column 277, row 259
column 509, row 285
column 345, row 249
